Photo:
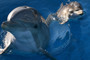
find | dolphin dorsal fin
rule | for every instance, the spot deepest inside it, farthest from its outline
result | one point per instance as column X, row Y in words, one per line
column 61, row 5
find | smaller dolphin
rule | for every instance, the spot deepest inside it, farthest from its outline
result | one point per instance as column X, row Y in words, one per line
column 67, row 12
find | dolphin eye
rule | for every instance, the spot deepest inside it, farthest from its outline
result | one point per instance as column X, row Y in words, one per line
column 76, row 10
column 71, row 11
column 35, row 26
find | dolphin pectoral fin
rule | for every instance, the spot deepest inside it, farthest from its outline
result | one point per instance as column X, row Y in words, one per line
column 5, row 50
column 2, row 51
column 47, row 54
column 61, row 6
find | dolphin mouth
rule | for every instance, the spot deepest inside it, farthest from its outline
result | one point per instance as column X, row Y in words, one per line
column 4, row 25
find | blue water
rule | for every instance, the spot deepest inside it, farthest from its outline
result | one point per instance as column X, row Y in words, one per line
column 79, row 46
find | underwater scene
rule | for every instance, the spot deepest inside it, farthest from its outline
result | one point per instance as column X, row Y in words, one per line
column 66, row 38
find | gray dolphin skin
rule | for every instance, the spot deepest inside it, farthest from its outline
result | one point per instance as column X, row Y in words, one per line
column 26, row 31
column 67, row 12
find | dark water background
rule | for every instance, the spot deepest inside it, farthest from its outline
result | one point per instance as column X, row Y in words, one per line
column 79, row 49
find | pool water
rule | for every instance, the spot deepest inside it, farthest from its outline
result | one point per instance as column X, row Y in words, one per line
column 77, row 48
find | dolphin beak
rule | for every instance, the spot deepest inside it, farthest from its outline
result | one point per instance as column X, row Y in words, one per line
column 80, row 12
